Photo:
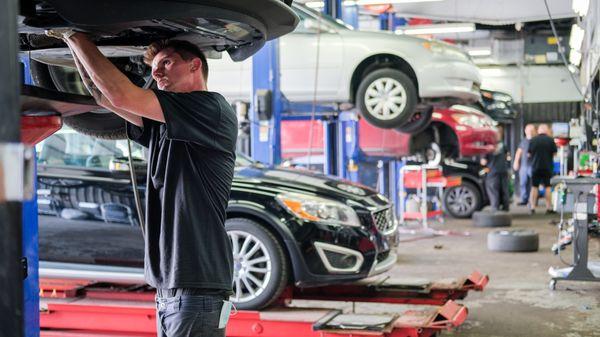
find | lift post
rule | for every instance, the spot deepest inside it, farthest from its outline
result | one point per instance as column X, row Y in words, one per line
column 12, row 271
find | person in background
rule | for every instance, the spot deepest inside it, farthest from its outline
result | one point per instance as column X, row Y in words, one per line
column 522, row 165
column 541, row 156
column 496, row 181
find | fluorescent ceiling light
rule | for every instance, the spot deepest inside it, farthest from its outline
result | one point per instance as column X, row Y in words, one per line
column 575, row 57
column 437, row 29
column 315, row 4
column 480, row 52
column 492, row 72
column 382, row 2
column 321, row 4
column 580, row 7
column 576, row 37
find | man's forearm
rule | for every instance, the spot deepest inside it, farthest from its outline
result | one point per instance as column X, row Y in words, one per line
column 109, row 81
column 98, row 96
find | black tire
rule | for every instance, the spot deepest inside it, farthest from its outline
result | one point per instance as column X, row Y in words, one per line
column 279, row 266
column 401, row 82
column 418, row 122
column 516, row 240
column 97, row 124
column 469, row 200
column 492, row 219
column 101, row 124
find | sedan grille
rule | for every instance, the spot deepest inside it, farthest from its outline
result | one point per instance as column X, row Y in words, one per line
column 385, row 222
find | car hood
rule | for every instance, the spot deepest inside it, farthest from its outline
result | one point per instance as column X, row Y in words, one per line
column 222, row 25
column 303, row 181
column 382, row 35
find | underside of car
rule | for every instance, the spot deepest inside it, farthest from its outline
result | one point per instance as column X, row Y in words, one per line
column 212, row 25
column 123, row 30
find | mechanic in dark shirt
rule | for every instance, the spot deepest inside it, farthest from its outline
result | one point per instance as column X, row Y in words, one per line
column 541, row 156
column 496, row 180
column 522, row 165
column 191, row 135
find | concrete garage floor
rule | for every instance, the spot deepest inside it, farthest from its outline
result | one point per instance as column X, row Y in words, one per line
column 517, row 301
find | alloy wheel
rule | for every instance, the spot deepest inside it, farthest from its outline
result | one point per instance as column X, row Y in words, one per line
column 385, row 98
column 461, row 200
column 252, row 266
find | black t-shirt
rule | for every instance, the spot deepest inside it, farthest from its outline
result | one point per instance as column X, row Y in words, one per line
column 497, row 160
column 541, row 150
column 190, row 171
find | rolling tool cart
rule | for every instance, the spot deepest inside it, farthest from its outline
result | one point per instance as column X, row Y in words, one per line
column 421, row 179
column 584, row 208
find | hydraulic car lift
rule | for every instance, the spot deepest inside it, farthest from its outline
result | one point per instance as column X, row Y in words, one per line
column 80, row 308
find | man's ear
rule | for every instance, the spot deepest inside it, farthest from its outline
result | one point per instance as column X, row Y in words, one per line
column 195, row 64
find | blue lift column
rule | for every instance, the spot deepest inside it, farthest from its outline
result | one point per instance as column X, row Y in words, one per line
column 30, row 246
column 11, row 273
column 267, row 105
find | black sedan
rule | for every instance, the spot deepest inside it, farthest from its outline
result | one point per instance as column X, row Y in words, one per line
column 287, row 226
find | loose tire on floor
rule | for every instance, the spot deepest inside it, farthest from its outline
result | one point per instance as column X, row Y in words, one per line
column 252, row 242
column 491, row 219
column 386, row 98
column 516, row 240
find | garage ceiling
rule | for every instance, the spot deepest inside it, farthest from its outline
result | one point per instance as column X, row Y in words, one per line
column 493, row 12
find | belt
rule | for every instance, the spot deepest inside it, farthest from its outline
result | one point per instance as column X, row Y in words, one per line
column 173, row 292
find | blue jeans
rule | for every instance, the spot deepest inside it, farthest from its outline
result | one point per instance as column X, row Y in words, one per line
column 189, row 316
column 524, row 184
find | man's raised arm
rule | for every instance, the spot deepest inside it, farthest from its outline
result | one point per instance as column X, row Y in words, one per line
column 111, row 82
column 99, row 97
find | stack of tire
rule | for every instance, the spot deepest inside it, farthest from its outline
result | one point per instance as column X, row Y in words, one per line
column 505, row 240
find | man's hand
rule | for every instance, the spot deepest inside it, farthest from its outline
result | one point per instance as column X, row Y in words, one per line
column 60, row 33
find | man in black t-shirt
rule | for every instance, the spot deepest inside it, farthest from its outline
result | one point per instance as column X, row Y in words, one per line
column 191, row 135
column 541, row 157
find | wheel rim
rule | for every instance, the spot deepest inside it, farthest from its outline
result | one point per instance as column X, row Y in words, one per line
column 252, row 266
column 385, row 98
column 461, row 200
column 433, row 154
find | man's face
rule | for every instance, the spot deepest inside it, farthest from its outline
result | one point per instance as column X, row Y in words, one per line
column 171, row 72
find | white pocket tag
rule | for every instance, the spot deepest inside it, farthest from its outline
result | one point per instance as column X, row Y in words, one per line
column 224, row 317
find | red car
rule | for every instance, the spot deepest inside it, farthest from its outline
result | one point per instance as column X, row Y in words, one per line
column 456, row 132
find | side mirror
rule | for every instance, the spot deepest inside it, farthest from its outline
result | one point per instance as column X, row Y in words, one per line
column 121, row 164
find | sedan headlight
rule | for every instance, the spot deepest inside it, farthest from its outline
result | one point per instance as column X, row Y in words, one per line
column 325, row 211
column 443, row 49
column 468, row 120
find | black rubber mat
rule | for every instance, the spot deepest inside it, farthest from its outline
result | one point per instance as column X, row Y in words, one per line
column 93, row 242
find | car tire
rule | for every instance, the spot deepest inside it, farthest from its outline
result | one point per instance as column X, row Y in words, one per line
column 418, row 122
column 99, row 124
column 516, row 240
column 462, row 201
column 268, row 247
column 492, row 219
column 373, row 85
